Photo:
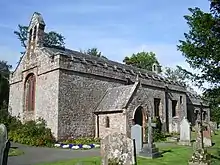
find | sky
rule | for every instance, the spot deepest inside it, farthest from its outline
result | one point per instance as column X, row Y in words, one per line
column 116, row 28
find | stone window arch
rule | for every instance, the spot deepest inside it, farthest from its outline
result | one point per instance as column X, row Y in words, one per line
column 30, row 84
column 107, row 122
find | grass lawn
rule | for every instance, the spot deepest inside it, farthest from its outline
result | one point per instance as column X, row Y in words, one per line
column 15, row 152
column 175, row 155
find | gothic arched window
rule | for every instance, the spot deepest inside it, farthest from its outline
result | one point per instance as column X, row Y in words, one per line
column 30, row 92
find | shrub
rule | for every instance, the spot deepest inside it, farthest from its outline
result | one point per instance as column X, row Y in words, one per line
column 30, row 133
column 33, row 133
column 12, row 123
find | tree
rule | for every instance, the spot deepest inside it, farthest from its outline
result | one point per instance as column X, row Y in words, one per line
column 201, row 49
column 202, row 45
column 54, row 39
column 4, row 83
column 94, row 52
column 143, row 60
column 212, row 95
column 50, row 39
column 179, row 75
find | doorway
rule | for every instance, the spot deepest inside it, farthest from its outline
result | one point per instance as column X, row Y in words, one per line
column 140, row 119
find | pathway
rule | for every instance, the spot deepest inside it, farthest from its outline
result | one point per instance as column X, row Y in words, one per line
column 35, row 155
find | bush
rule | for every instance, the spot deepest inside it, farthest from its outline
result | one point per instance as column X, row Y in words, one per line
column 12, row 123
column 30, row 133
column 33, row 133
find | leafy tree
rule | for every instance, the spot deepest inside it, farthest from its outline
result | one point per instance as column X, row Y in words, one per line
column 201, row 48
column 54, row 39
column 4, row 83
column 94, row 52
column 50, row 39
column 175, row 74
column 143, row 60
column 179, row 75
column 22, row 34
column 202, row 45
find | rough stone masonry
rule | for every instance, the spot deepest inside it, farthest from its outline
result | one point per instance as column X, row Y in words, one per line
column 83, row 96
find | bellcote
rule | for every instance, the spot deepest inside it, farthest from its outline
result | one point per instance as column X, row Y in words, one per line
column 35, row 32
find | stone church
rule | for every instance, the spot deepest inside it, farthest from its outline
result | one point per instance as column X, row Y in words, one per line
column 79, row 95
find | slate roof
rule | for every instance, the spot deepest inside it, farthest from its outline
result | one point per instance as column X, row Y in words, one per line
column 108, row 63
column 117, row 98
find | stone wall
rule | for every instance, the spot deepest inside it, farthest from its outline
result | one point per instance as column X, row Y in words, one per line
column 145, row 98
column 15, row 99
column 117, row 123
column 46, row 91
column 79, row 95
column 47, row 99
column 180, row 110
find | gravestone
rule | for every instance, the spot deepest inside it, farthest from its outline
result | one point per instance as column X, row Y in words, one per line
column 213, row 126
column 200, row 155
column 4, row 145
column 117, row 148
column 136, row 133
column 150, row 150
column 185, row 132
column 207, row 136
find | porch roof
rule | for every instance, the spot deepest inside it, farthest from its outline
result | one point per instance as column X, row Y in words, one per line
column 117, row 98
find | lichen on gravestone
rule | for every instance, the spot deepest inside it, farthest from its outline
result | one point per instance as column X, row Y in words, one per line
column 117, row 148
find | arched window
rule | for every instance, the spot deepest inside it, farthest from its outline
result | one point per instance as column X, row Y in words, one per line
column 30, row 92
column 107, row 122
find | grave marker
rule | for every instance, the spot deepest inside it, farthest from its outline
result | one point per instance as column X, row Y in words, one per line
column 185, row 132
column 136, row 133
column 4, row 145
column 150, row 150
column 117, row 147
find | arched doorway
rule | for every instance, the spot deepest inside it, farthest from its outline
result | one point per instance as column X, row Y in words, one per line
column 139, row 117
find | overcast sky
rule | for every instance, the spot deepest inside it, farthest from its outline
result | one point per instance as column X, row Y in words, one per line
column 116, row 28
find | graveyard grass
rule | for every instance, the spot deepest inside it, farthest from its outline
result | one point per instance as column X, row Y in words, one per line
column 172, row 155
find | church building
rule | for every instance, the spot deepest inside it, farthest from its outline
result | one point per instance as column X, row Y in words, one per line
column 79, row 95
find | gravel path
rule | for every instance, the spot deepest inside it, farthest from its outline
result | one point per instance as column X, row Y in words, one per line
column 35, row 155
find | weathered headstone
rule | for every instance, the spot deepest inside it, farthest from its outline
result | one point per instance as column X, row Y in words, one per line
column 207, row 136
column 136, row 133
column 117, row 148
column 185, row 132
column 4, row 145
column 200, row 155
column 213, row 126
column 198, row 143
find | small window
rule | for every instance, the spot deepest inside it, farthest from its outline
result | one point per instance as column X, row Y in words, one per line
column 174, row 104
column 107, row 122
column 156, row 106
column 181, row 99
column 154, row 68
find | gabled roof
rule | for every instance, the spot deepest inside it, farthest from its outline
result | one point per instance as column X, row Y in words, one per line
column 117, row 98
column 142, row 73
